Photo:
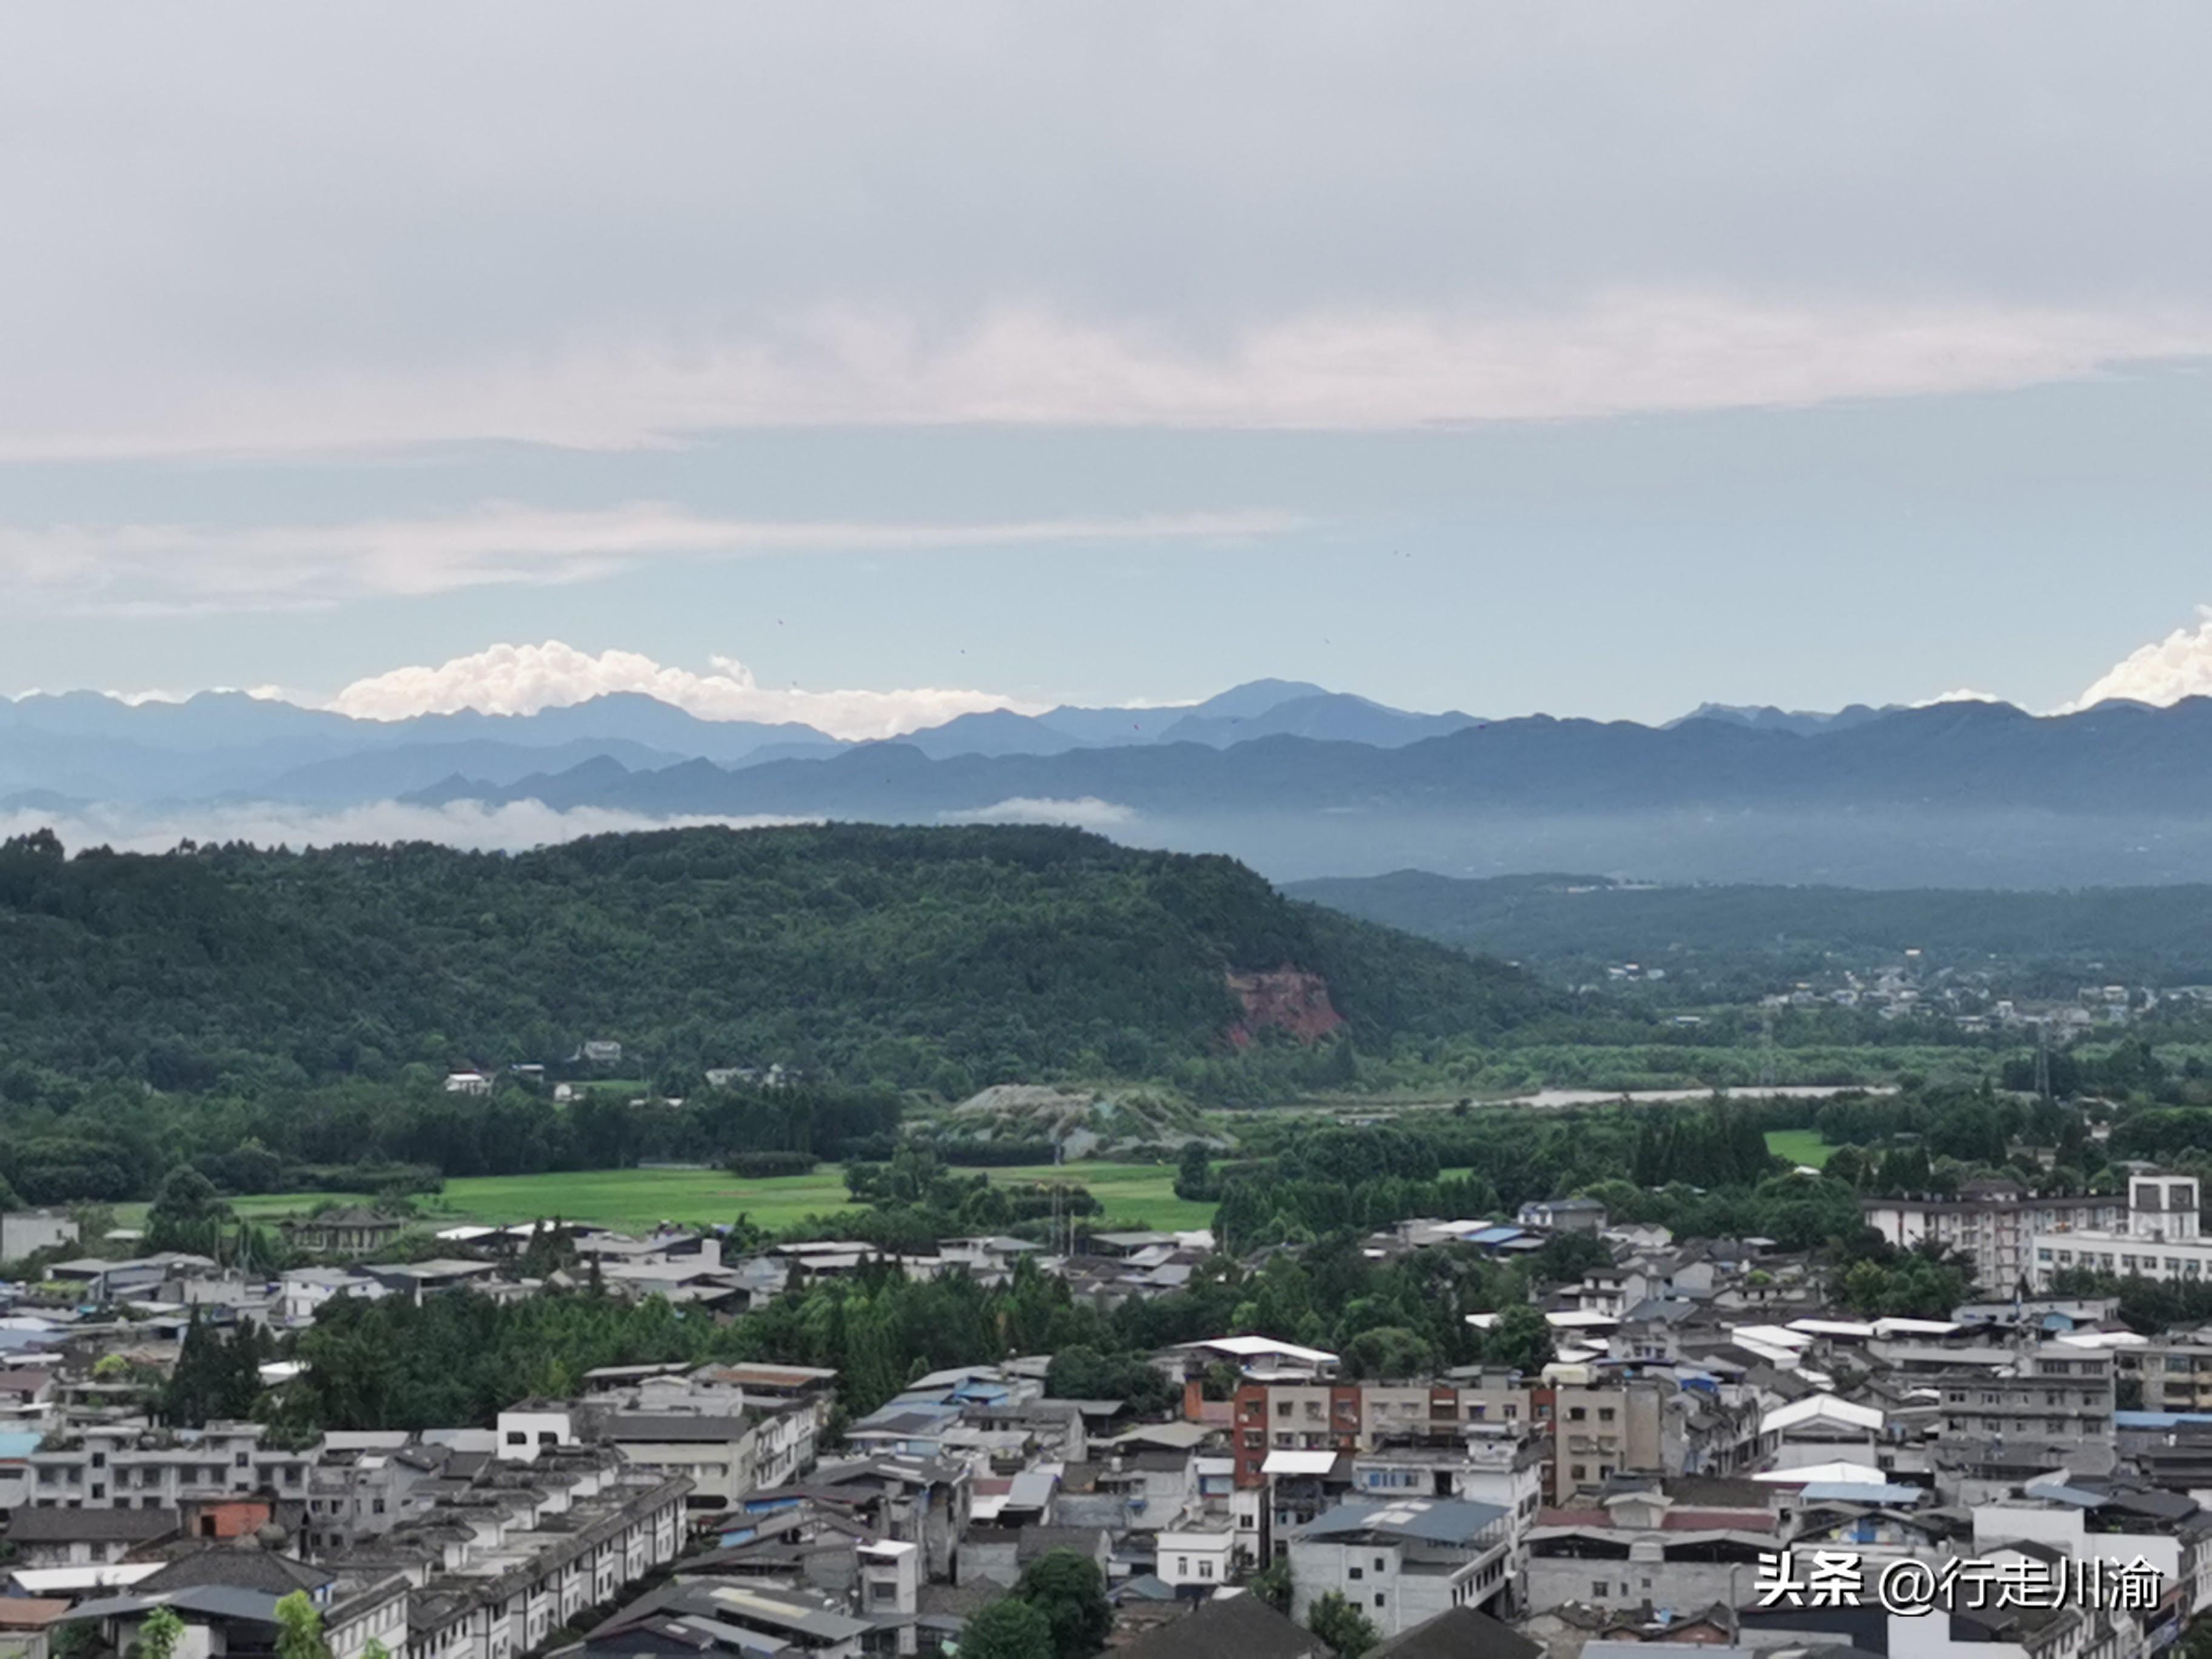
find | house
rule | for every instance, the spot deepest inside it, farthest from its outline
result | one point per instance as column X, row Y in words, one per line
column 1404, row 1562
column 417, row 1279
column 1197, row 1558
column 468, row 1082
column 302, row 1292
column 1682, row 1543
column 1563, row 1215
column 23, row 1231
column 26, row 1391
column 1255, row 1356
column 141, row 1277
column 350, row 1229
column 57, row 1537
column 27, row 1624
column 1821, row 1428
column 599, row 1053
column 1239, row 1626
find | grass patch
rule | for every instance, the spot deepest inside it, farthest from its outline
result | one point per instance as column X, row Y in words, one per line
column 634, row 1201
column 1799, row 1146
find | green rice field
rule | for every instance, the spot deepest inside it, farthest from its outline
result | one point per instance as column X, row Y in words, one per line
column 634, row 1201
column 1799, row 1146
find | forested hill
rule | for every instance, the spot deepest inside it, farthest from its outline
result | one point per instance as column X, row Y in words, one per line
column 924, row 956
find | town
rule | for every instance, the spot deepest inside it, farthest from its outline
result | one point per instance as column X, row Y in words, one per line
column 1701, row 1406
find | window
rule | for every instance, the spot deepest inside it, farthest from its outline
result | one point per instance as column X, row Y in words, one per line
column 1206, row 1570
column 516, row 1438
column 238, row 1461
column 1381, row 1564
column 1282, row 1408
column 1575, row 1413
column 1378, row 1598
column 1604, row 1413
column 1512, row 1413
column 1581, row 1472
column 1355, row 1573
column 1599, row 1588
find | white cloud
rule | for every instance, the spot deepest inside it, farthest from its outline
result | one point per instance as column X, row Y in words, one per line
column 142, row 568
column 1964, row 694
column 1088, row 812
column 2165, row 672
column 1627, row 352
column 522, row 679
column 507, row 828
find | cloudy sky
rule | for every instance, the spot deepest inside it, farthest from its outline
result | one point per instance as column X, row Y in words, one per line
column 1595, row 359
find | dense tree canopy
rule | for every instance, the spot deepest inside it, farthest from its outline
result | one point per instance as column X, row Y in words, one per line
column 898, row 954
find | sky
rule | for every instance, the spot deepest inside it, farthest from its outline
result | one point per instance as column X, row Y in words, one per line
column 871, row 363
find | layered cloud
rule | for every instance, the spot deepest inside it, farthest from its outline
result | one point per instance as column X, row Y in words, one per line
column 141, row 568
column 522, row 679
column 1086, row 812
column 2165, row 672
column 1630, row 353
column 1280, row 213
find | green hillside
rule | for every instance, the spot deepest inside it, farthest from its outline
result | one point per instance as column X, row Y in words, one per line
column 918, row 957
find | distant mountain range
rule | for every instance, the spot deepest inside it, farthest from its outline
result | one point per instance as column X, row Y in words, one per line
column 1296, row 779
column 84, row 747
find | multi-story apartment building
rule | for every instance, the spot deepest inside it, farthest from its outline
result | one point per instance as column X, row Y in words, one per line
column 1991, row 1223
column 2155, row 1236
column 523, row 1549
column 1600, row 1430
column 129, row 1466
column 2175, row 1371
column 2052, row 1398
column 1588, row 1430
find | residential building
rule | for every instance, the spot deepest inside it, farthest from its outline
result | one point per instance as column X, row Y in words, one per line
column 1563, row 1215
column 1992, row 1223
column 1402, row 1563
column 23, row 1231
column 53, row 1537
column 1651, row 1541
column 128, row 1466
column 2053, row 1395
column 349, row 1229
column 1822, row 1429
column 2156, row 1235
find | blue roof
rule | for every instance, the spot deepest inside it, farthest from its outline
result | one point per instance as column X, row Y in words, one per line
column 2059, row 1492
column 1430, row 1520
column 1493, row 1234
column 2158, row 1419
column 18, row 1445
